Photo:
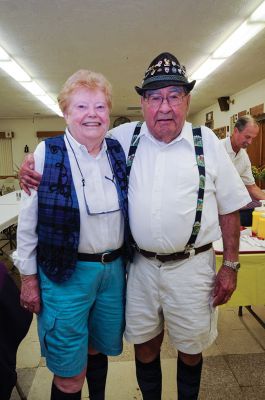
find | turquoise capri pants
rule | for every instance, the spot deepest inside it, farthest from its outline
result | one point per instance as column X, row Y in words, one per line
column 85, row 311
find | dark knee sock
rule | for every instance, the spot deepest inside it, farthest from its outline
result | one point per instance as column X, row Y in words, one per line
column 8, row 378
column 96, row 375
column 188, row 380
column 149, row 377
column 56, row 394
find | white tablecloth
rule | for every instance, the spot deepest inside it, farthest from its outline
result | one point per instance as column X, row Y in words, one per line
column 10, row 198
column 8, row 215
column 247, row 245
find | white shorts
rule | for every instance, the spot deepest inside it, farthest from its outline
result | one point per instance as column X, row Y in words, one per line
column 176, row 293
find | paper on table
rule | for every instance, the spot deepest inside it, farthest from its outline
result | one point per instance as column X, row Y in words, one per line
column 247, row 244
column 253, row 241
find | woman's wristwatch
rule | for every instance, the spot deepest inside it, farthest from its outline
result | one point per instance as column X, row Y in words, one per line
column 235, row 265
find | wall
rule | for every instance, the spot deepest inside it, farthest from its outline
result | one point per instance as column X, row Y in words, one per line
column 249, row 97
column 25, row 132
column 25, row 129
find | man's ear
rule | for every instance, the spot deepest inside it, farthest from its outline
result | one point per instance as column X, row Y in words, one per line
column 142, row 104
column 188, row 102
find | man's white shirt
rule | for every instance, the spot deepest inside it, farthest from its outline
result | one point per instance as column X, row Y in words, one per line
column 164, row 183
column 241, row 162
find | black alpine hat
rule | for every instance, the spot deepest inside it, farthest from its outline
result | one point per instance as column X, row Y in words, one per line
column 165, row 70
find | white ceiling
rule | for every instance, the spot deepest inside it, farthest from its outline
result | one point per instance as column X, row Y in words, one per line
column 51, row 39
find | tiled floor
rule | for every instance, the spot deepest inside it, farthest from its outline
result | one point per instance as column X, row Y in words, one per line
column 234, row 366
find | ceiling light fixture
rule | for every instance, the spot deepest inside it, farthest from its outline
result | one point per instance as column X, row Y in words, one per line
column 246, row 31
column 55, row 108
column 45, row 99
column 10, row 66
column 15, row 71
column 239, row 37
column 207, row 68
column 259, row 14
column 3, row 55
column 33, row 88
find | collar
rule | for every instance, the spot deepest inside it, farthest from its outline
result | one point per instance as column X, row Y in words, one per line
column 230, row 150
column 78, row 146
column 185, row 134
column 228, row 146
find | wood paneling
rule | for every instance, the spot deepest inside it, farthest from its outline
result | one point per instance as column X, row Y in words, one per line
column 256, row 150
column 3, row 135
column 46, row 134
column 220, row 132
column 242, row 113
column 256, row 110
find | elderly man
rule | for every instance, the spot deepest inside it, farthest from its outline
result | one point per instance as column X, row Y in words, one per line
column 178, row 196
column 245, row 131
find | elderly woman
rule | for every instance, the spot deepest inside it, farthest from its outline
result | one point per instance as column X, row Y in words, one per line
column 70, row 238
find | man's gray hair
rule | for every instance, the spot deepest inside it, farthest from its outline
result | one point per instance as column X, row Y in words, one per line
column 243, row 121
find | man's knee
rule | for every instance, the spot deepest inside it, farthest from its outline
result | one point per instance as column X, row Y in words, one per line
column 70, row 385
column 148, row 351
column 92, row 351
column 190, row 359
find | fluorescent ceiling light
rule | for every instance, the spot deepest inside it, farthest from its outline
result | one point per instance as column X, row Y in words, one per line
column 50, row 103
column 3, row 55
column 258, row 14
column 246, row 31
column 33, row 88
column 238, row 38
column 198, row 81
column 207, row 68
column 56, row 109
column 15, row 71
column 47, row 100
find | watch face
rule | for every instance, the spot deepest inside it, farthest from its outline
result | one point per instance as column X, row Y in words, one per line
column 236, row 266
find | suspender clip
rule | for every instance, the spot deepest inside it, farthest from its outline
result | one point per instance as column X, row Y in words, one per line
column 190, row 250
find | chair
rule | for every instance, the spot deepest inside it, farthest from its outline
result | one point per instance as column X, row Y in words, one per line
column 14, row 325
column 2, row 186
column 8, row 189
column 10, row 180
column 9, row 184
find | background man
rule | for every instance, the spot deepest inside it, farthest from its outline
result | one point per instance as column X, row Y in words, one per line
column 245, row 131
column 178, row 195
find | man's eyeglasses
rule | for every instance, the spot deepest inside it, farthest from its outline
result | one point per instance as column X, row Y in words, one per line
column 84, row 184
column 109, row 179
column 86, row 203
column 174, row 99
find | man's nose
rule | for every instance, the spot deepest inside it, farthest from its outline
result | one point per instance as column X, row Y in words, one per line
column 165, row 105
